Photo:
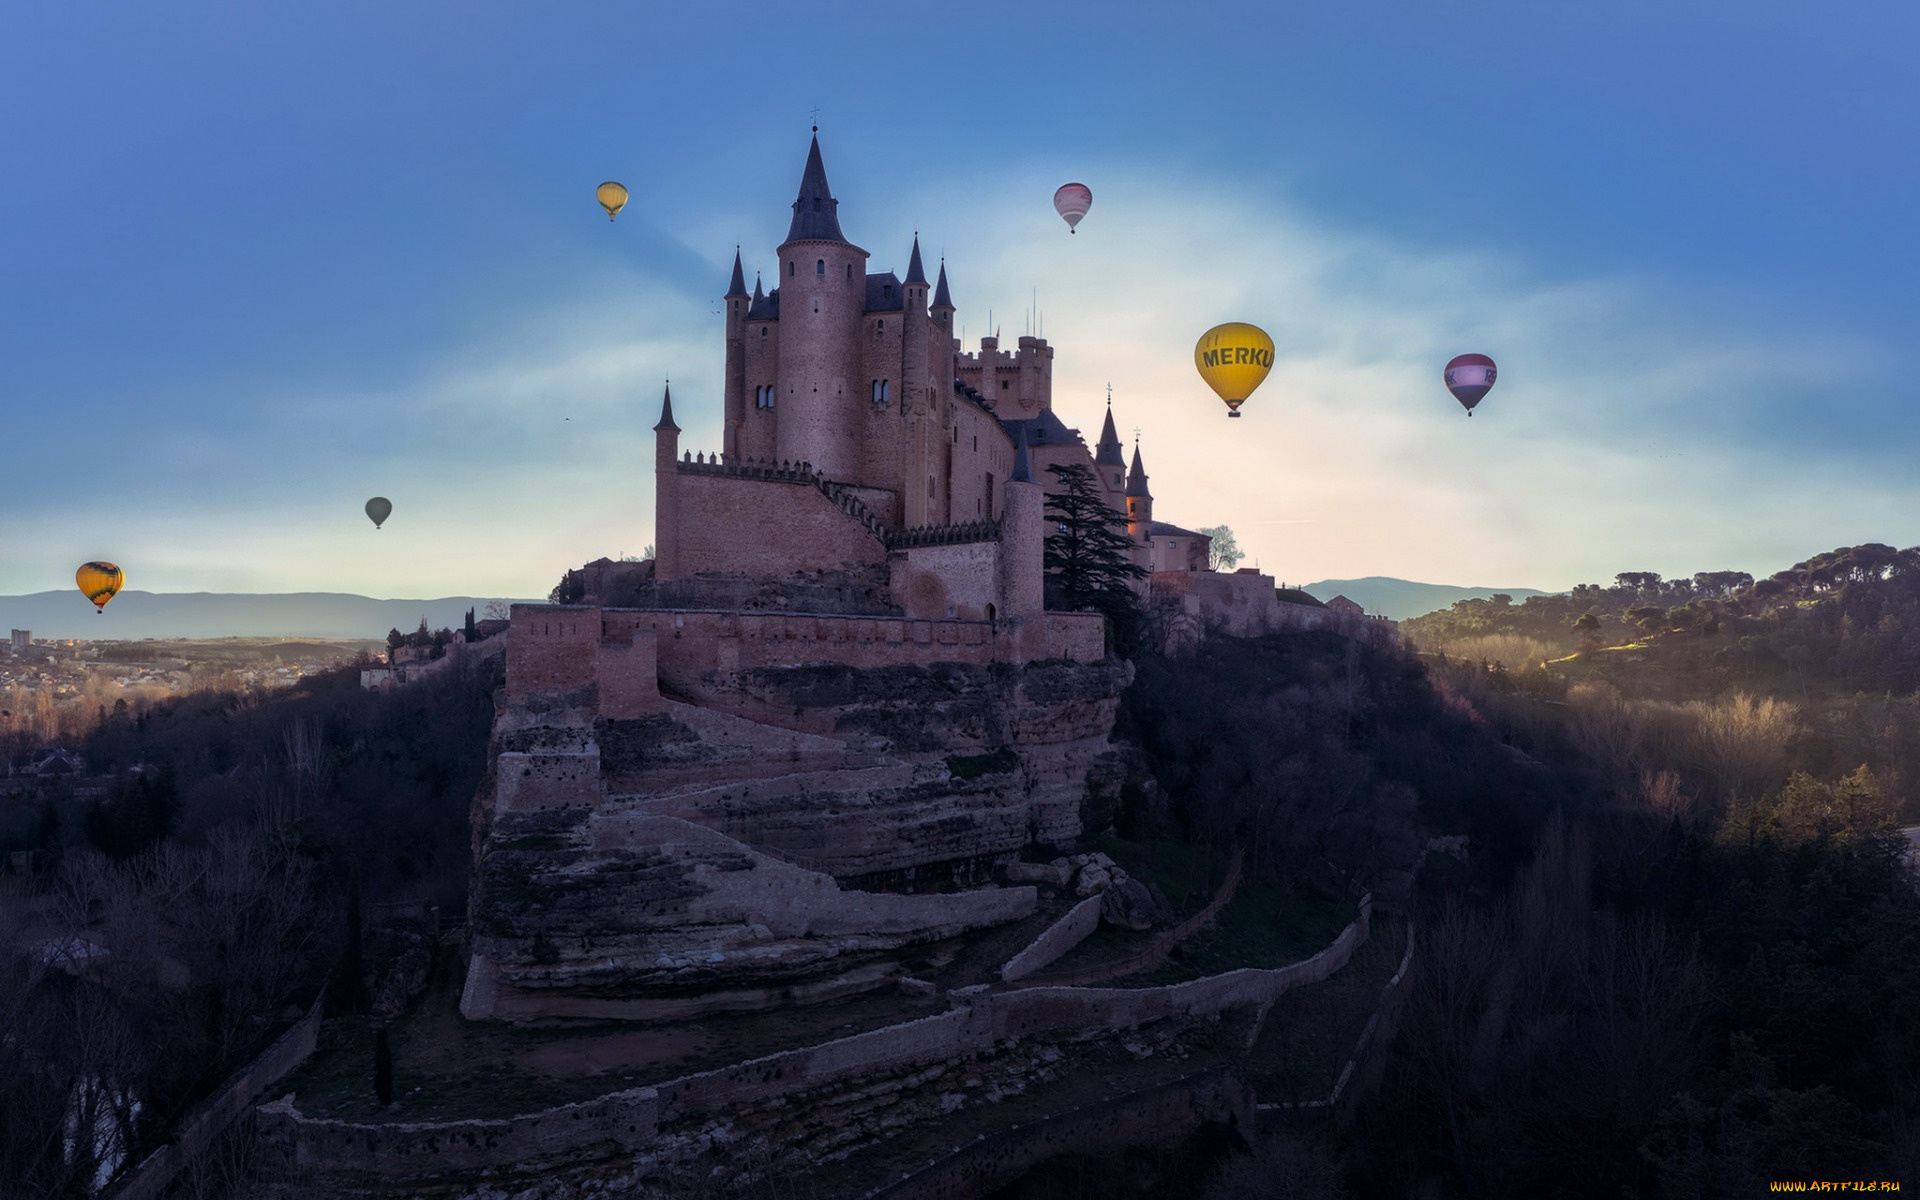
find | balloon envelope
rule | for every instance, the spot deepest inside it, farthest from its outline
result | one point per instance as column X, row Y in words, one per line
column 379, row 508
column 1072, row 202
column 99, row 581
column 612, row 197
column 1234, row 359
column 1470, row 377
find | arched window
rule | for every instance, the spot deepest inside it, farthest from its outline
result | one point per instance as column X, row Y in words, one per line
column 849, row 270
column 879, row 391
column 880, row 326
column 820, row 266
column 789, row 270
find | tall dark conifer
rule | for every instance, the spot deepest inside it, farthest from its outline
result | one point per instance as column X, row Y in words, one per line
column 1089, row 558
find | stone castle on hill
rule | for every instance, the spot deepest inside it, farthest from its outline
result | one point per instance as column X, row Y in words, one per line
column 752, row 771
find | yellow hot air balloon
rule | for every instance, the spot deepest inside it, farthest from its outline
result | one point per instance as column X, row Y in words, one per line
column 1234, row 358
column 612, row 197
column 98, row 582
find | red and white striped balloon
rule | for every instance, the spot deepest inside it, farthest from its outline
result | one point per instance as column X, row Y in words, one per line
column 1072, row 202
column 1470, row 377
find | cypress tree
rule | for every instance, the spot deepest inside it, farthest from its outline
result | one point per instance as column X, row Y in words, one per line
column 1089, row 557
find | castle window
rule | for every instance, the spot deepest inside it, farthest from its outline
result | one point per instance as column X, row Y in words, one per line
column 820, row 266
column 879, row 391
column 789, row 270
column 763, row 396
column 763, row 331
column 849, row 270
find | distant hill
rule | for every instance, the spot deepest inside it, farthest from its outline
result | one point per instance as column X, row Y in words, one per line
column 336, row 615
column 1398, row 599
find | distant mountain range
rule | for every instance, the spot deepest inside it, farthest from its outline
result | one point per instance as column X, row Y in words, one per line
column 133, row 615
column 1398, row 599
column 343, row 616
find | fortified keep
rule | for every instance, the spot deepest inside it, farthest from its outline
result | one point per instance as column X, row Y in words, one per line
column 753, row 771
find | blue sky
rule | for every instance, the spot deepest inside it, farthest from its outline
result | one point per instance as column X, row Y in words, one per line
column 260, row 262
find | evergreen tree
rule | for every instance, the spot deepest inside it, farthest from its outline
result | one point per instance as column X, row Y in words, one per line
column 1089, row 563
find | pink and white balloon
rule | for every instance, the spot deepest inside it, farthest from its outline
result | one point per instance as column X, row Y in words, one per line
column 1072, row 202
column 1470, row 377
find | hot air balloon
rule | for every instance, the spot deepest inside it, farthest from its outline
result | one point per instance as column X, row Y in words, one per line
column 98, row 582
column 1234, row 358
column 612, row 197
column 379, row 509
column 1469, row 377
column 1072, row 202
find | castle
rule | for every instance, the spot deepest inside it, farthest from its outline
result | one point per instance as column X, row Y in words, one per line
column 752, row 771
column 862, row 443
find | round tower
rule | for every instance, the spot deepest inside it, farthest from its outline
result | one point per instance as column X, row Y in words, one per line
column 823, row 295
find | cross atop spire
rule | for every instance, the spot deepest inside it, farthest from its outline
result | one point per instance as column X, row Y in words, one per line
column 915, row 272
column 940, row 297
column 665, row 423
column 739, row 285
column 1109, row 453
column 814, row 210
column 1137, row 474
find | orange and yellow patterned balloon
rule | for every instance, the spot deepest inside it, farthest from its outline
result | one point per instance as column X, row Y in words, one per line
column 99, row 581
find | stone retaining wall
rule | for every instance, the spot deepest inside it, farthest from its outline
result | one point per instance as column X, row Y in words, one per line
column 629, row 1125
column 1058, row 938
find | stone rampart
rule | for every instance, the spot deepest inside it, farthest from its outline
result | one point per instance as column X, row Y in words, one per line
column 629, row 1126
column 765, row 528
column 1156, row 1116
column 209, row 1119
column 626, row 654
column 1058, row 938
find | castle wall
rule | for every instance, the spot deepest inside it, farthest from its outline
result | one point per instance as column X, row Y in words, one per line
column 1058, row 938
column 939, row 582
column 1245, row 604
column 650, row 1125
column 759, row 527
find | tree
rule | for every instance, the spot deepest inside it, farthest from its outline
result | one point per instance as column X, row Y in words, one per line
column 1223, row 553
column 1587, row 625
column 499, row 610
column 571, row 587
column 1089, row 557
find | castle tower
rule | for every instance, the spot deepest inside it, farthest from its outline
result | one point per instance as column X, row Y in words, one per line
column 942, row 302
column 666, row 491
column 823, row 293
column 1109, row 461
column 1023, row 537
column 736, row 382
column 1139, row 503
column 918, row 401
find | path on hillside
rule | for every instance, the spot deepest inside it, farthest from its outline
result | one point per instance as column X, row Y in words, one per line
column 1155, row 951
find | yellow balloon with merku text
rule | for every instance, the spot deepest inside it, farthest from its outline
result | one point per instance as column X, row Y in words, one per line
column 1234, row 359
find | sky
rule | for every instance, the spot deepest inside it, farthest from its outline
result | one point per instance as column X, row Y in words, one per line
column 261, row 262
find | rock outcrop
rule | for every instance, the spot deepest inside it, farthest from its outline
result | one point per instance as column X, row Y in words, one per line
column 796, row 835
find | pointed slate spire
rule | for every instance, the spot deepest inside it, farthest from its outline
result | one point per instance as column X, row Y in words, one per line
column 1137, row 475
column 814, row 216
column 915, row 272
column 758, row 295
column 666, row 413
column 739, row 285
column 1109, row 452
column 1022, row 468
column 940, row 297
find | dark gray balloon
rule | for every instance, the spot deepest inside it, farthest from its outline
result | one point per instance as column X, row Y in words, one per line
column 379, row 508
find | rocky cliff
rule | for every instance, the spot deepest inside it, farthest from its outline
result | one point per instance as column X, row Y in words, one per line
column 789, row 835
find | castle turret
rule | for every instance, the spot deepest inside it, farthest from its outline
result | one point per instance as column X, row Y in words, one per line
column 942, row 302
column 735, row 401
column 1139, row 502
column 916, row 378
column 823, row 293
column 666, row 491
